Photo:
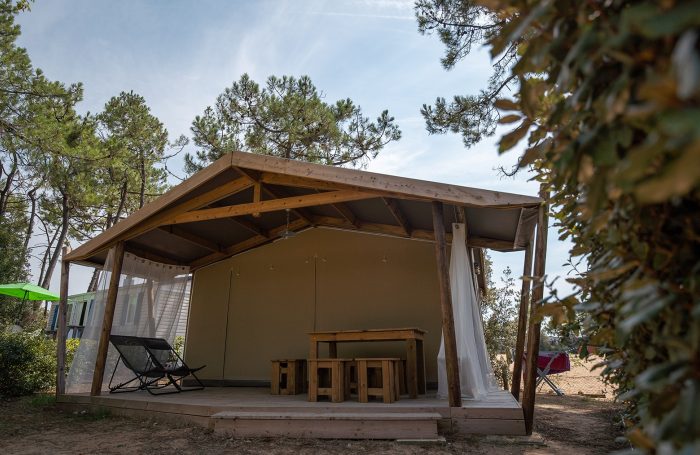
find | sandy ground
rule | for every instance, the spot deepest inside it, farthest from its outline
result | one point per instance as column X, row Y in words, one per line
column 568, row 425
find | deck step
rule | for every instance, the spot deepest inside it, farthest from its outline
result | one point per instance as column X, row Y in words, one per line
column 340, row 425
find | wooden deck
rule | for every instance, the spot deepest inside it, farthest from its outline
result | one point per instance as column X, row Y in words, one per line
column 253, row 412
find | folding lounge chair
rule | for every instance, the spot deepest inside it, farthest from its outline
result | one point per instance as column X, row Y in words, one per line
column 155, row 364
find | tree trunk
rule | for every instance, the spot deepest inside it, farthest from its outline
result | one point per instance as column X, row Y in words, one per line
column 59, row 244
column 47, row 256
column 142, row 190
column 6, row 192
column 30, row 226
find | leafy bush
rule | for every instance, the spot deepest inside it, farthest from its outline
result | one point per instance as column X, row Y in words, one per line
column 607, row 102
column 27, row 363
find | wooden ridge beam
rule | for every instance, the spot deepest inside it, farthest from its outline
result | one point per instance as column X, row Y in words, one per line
column 273, row 205
column 191, row 238
column 398, row 215
column 247, row 244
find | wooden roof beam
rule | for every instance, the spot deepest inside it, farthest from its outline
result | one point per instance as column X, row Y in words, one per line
column 256, row 178
column 188, row 236
column 398, row 215
column 331, row 197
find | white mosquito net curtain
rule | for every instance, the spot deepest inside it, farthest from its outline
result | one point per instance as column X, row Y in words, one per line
column 475, row 373
column 151, row 302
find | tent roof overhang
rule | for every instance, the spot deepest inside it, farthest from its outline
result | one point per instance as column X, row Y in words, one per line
column 241, row 202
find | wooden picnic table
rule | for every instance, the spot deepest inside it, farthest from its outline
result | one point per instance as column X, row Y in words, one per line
column 415, row 357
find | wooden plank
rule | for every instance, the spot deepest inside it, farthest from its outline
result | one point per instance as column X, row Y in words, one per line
column 522, row 324
column 533, row 337
column 513, row 427
column 448, row 323
column 398, row 215
column 107, row 319
column 111, row 235
column 61, row 329
column 387, row 184
column 273, row 205
column 194, row 239
column 275, row 378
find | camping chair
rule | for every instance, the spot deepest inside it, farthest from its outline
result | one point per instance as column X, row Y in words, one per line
column 551, row 362
column 152, row 360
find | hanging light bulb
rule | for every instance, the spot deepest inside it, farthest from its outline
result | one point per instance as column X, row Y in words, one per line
column 287, row 234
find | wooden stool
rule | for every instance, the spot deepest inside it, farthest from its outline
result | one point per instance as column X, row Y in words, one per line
column 350, row 378
column 288, row 376
column 336, row 370
column 389, row 369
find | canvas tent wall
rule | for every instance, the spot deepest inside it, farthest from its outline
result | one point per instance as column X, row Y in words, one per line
column 322, row 279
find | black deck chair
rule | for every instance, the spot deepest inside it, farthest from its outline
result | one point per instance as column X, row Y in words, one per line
column 154, row 362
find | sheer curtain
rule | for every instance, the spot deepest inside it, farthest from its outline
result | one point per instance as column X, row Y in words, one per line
column 475, row 373
column 151, row 302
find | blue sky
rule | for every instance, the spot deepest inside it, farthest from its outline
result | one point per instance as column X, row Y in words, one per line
column 181, row 54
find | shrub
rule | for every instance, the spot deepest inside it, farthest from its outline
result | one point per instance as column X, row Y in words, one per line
column 27, row 363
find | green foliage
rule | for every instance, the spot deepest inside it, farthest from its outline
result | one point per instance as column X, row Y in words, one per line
column 179, row 345
column 462, row 25
column 287, row 118
column 27, row 363
column 135, row 141
column 499, row 312
column 610, row 126
column 13, row 262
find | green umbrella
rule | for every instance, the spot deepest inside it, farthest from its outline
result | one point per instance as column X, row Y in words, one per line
column 28, row 291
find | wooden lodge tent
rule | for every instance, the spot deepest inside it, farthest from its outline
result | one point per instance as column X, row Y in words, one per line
column 280, row 248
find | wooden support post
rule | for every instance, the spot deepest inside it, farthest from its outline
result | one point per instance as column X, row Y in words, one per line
column 533, row 337
column 448, row 323
column 61, row 329
column 151, row 298
column 256, row 197
column 522, row 323
column 107, row 319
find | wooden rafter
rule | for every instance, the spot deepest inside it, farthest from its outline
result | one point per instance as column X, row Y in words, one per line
column 188, row 236
column 273, row 205
column 347, row 213
column 398, row 215
column 247, row 244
